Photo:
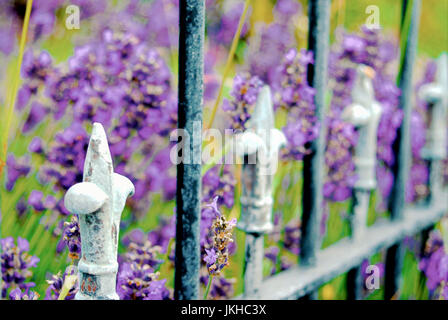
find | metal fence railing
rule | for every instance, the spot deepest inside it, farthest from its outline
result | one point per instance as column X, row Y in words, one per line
column 316, row 266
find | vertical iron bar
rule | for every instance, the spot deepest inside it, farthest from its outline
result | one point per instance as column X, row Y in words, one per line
column 402, row 145
column 312, row 198
column 253, row 270
column 354, row 284
column 359, row 211
column 402, row 149
column 394, row 264
column 188, row 196
column 318, row 38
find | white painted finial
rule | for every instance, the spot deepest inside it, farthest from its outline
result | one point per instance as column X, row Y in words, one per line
column 98, row 201
column 260, row 145
column 364, row 113
column 436, row 94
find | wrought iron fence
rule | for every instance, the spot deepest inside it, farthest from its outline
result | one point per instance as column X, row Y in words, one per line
column 316, row 266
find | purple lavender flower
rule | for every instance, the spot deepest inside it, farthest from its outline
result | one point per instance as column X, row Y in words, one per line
column 41, row 23
column 244, row 95
column 36, row 71
column 72, row 237
column 370, row 49
column 219, row 181
column 90, row 8
column 16, row 168
column 143, row 253
column 162, row 28
column 56, row 283
column 272, row 253
column 21, row 207
column 217, row 257
column 124, row 84
column 295, row 95
column 36, row 115
column 137, row 279
column 272, row 41
column 35, row 146
column 165, row 232
column 139, row 282
column 35, row 200
column 434, row 263
column 223, row 25
column 291, row 239
column 27, row 294
column 287, row 8
column 16, row 263
column 65, row 159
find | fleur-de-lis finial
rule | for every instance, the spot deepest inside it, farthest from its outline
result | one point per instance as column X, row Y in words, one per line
column 436, row 94
column 98, row 201
column 364, row 113
column 259, row 144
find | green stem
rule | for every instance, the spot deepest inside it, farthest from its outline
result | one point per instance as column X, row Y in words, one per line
column 209, row 284
column 235, row 40
column 15, row 87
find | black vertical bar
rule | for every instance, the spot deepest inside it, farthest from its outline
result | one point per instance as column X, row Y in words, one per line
column 402, row 148
column 191, row 64
column 354, row 284
column 313, row 164
column 318, row 43
column 394, row 264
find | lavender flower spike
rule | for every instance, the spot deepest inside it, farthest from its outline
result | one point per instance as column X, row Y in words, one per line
column 99, row 201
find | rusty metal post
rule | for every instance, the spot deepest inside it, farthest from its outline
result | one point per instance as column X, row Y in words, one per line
column 259, row 146
column 188, row 197
column 98, row 201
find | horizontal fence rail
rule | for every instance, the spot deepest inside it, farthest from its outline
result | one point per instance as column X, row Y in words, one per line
column 346, row 253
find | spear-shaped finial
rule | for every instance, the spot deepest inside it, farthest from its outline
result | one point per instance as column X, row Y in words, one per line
column 99, row 201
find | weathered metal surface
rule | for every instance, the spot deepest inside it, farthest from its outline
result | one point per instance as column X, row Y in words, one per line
column 402, row 145
column 98, row 201
column 360, row 209
column 436, row 95
column 346, row 254
column 364, row 113
column 313, row 164
column 188, row 197
column 259, row 146
column 253, row 264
